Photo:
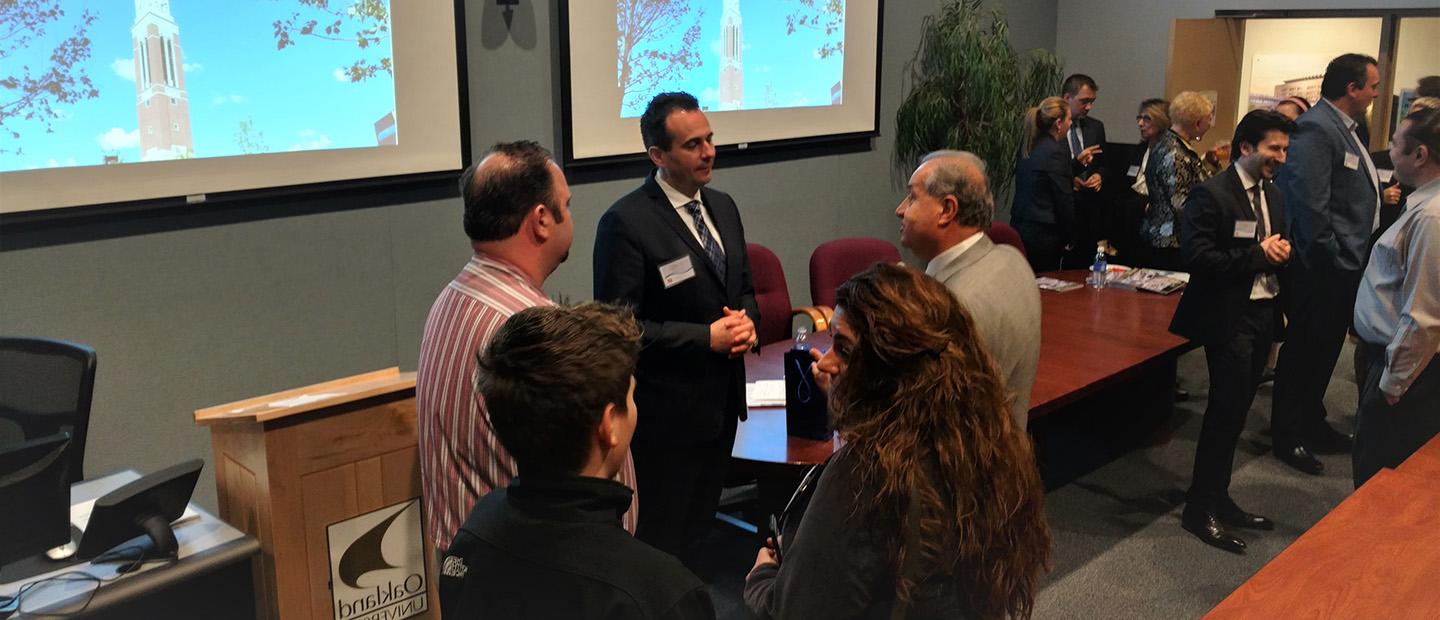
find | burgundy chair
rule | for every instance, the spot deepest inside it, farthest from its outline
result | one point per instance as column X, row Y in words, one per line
column 1000, row 232
column 773, row 297
column 834, row 262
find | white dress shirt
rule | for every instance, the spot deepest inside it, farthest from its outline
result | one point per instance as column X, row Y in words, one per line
column 679, row 200
column 1265, row 283
column 943, row 259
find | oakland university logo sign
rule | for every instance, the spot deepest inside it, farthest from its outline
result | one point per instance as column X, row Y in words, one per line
column 377, row 564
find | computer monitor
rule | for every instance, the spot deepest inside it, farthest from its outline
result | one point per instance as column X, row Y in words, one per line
column 145, row 506
column 35, row 491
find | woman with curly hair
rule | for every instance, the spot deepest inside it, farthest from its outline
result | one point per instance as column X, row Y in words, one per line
column 934, row 507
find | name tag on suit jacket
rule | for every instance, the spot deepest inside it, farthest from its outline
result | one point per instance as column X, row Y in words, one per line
column 676, row 271
column 1244, row 229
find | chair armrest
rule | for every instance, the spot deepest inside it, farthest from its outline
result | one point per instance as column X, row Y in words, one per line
column 819, row 316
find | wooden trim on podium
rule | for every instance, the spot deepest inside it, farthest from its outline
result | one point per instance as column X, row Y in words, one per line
column 289, row 464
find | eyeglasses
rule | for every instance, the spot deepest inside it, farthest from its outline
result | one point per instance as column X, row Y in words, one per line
column 1144, row 117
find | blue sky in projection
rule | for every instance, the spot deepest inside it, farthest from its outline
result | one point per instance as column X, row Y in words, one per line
column 780, row 70
column 294, row 99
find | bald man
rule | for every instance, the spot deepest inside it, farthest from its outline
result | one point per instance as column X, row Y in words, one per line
column 943, row 219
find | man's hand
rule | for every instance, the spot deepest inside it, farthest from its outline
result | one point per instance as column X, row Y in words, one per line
column 1392, row 400
column 822, row 379
column 742, row 333
column 1092, row 183
column 722, row 333
column 1277, row 250
column 1391, row 195
column 1088, row 154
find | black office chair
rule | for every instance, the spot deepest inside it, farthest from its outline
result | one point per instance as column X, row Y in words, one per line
column 45, row 388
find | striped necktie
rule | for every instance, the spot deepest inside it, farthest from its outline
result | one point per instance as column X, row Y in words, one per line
column 707, row 242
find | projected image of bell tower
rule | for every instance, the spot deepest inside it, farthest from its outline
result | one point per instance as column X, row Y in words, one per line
column 732, row 70
column 160, row 98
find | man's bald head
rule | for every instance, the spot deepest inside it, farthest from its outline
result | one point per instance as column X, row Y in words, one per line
column 503, row 186
column 960, row 174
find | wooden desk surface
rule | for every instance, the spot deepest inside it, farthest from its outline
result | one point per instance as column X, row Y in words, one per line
column 1425, row 463
column 1377, row 554
column 1089, row 339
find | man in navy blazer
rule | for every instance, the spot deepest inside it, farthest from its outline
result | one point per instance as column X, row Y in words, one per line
column 1231, row 245
column 674, row 250
column 1085, row 141
column 1333, row 199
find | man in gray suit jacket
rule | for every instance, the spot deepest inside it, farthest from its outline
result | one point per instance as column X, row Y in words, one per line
column 1332, row 198
column 943, row 221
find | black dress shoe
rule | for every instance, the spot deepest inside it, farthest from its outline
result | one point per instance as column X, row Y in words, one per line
column 1233, row 516
column 1207, row 527
column 1324, row 439
column 1299, row 458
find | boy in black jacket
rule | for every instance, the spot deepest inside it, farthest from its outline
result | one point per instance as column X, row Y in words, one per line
column 558, row 386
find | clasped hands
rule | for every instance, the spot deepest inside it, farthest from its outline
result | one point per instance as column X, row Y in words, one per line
column 1277, row 250
column 732, row 334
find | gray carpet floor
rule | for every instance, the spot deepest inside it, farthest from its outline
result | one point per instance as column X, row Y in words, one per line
column 1119, row 551
column 1119, row 548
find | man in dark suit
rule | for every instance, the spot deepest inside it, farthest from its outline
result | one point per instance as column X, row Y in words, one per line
column 1086, row 139
column 1332, row 192
column 674, row 250
column 1230, row 245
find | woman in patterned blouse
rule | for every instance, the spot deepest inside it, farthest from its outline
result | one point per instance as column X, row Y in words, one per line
column 1175, row 167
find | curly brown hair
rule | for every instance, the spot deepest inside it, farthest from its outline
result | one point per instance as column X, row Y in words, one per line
column 925, row 412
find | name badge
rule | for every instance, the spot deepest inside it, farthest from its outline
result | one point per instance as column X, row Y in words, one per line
column 1352, row 161
column 1133, row 171
column 676, row 271
column 1385, row 175
column 1244, row 229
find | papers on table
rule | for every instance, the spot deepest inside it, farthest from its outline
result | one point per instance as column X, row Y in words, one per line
column 769, row 393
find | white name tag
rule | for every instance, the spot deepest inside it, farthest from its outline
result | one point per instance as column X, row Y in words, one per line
column 676, row 271
column 1385, row 175
column 1244, row 229
column 1352, row 161
column 1133, row 171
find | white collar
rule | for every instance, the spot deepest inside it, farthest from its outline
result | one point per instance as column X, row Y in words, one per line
column 1350, row 123
column 1423, row 194
column 944, row 259
column 676, row 198
column 1246, row 180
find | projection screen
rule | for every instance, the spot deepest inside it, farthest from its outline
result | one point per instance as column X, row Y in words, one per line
column 114, row 102
column 763, row 70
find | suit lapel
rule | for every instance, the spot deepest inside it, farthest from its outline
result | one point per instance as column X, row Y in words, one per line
column 672, row 219
column 1236, row 187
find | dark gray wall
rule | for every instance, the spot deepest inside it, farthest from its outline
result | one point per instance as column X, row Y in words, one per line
column 190, row 318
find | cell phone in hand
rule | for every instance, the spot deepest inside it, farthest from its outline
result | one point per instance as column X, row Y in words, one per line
column 775, row 536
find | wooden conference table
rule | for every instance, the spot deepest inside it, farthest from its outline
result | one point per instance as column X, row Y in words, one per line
column 1090, row 340
column 1376, row 555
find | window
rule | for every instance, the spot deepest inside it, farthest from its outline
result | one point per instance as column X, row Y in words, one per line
column 175, row 126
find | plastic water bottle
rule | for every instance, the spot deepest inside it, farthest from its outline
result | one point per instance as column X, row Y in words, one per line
column 1099, row 268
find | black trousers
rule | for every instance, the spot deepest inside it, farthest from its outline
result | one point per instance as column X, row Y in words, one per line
column 680, row 488
column 1321, row 305
column 1044, row 246
column 1235, row 366
column 1385, row 434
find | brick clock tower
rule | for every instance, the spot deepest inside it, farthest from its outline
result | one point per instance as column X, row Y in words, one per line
column 160, row 97
column 732, row 70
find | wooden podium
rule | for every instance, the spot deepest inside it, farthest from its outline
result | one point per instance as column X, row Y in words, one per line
column 288, row 465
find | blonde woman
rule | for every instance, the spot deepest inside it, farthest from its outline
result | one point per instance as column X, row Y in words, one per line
column 1044, row 208
column 1174, row 168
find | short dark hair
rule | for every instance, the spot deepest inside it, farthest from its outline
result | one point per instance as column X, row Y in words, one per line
column 1074, row 82
column 1424, row 129
column 1428, row 86
column 498, row 196
column 547, row 376
column 1255, row 125
column 1344, row 70
column 652, row 122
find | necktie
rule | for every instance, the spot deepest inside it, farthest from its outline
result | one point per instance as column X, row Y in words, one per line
column 1075, row 147
column 707, row 242
column 1257, row 206
column 1269, row 281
